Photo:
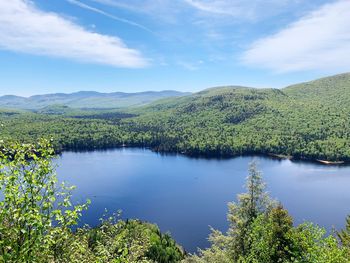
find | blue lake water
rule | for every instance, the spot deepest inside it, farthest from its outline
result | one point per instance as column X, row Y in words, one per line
column 186, row 195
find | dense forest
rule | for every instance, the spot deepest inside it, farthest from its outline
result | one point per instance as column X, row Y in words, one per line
column 37, row 224
column 305, row 121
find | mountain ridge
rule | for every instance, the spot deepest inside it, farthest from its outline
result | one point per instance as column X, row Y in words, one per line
column 95, row 99
column 87, row 99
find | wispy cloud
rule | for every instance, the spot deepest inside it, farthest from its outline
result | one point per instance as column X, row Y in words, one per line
column 218, row 7
column 191, row 66
column 25, row 28
column 237, row 9
column 166, row 10
column 241, row 9
column 317, row 41
column 99, row 11
column 134, row 5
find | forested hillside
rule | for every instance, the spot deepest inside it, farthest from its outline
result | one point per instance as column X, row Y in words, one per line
column 307, row 121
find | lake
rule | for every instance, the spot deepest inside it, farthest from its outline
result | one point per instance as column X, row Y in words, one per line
column 185, row 195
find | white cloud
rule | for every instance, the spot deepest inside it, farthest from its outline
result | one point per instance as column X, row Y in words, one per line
column 24, row 28
column 99, row 11
column 134, row 5
column 166, row 10
column 317, row 41
column 242, row 9
column 191, row 66
column 217, row 6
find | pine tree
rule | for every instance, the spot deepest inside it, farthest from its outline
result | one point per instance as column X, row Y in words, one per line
column 262, row 231
column 344, row 235
column 243, row 213
column 281, row 226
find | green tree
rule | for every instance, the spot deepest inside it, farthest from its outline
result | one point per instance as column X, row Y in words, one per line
column 344, row 235
column 132, row 241
column 262, row 232
column 36, row 213
column 236, row 244
column 272, row 237
column 242, row 214
column 36, row 219
column 313, row 245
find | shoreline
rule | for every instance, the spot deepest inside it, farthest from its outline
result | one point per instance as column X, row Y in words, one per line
column 210, row 156
column 331, row 162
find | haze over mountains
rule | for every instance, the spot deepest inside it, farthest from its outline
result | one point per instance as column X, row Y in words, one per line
column 87, row 99
column 325, row 90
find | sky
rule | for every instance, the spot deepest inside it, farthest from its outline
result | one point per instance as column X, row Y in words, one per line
column 186, row 45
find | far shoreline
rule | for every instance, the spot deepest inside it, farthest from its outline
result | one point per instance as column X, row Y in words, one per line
column 219, row 157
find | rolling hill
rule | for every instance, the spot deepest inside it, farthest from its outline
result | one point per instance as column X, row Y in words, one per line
column 86, row 99
column 305, row 121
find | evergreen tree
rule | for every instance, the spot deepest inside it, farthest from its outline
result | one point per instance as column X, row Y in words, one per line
column 262, row 232
column 344, row 235
column 243, row 213
column 272, row 237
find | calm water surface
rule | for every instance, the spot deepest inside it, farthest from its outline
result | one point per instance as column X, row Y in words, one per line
column 185, row 196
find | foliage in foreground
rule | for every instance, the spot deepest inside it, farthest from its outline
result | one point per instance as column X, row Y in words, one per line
column 37, row 216
column 32, row 204
column 262, row 231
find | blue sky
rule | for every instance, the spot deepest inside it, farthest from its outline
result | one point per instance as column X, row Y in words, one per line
column 188, row 45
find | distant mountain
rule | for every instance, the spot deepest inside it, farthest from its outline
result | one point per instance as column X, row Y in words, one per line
column 331, row 91
column 87, row 99
column 309, row 120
